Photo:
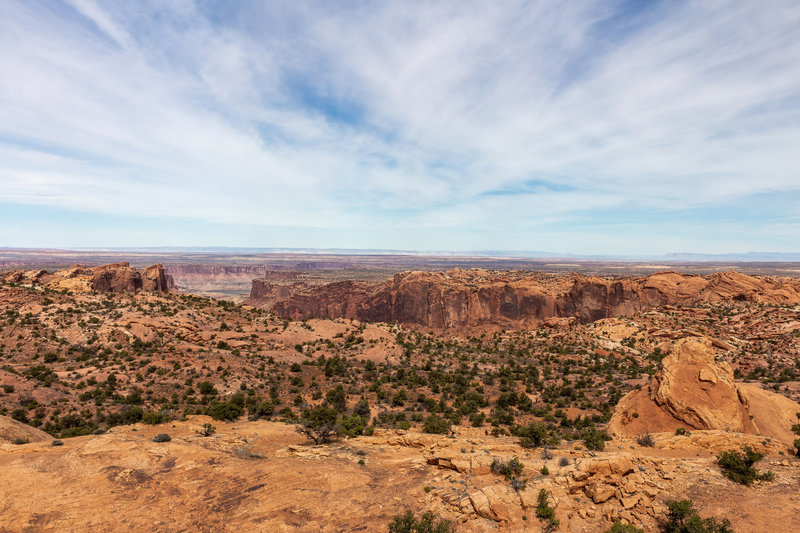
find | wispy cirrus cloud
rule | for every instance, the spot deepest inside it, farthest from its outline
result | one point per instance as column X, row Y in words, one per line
column 434, row 125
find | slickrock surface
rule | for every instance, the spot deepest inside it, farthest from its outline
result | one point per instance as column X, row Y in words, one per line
column 694, row 391
column 11, row 430
column 262, row 476
column 478, row 297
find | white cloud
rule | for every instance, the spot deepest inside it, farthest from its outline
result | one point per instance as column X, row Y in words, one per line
column 141, row 109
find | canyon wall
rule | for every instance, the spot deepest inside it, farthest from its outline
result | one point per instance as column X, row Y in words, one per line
column 478, row 297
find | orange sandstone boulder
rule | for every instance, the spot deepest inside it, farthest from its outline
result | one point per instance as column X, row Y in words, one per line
column 694, row 391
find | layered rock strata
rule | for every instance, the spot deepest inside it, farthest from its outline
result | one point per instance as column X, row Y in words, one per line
column 478, row 297
column 116, row 277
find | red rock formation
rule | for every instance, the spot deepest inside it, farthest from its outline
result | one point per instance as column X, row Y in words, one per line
column 154, row 279
column 116, row 277
column 479, row 297
column 694, row 391
column 339, row 299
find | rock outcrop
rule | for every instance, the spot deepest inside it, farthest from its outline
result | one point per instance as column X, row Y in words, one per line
column 694, row 391
column 154, row 279
column 17, row 432
column 115, row 277
column 118, row 277
column 478, row 297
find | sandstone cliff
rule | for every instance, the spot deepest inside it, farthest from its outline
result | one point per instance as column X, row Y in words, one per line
column 694, row 391
column 478, row 297
column 115, row 277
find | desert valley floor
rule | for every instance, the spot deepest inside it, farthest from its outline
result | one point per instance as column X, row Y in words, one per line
column 496, row 399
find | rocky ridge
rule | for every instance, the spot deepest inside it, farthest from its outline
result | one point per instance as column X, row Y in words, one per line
column 116, row 277
column 478, row 297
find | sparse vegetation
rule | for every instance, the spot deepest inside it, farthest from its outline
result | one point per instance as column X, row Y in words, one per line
column 619, row 527
column 682, row 517
column 319, row 424
column 436, row 424
column 545, row 512
column 426, row 523
column 738, row 466
column 510, row 469
column 646, row 440
column 541, row 386
column 594, row 440
column 206, row 430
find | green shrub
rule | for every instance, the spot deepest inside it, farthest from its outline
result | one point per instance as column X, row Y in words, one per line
column 263, row 410
column 154, row 418
column 42, row 374
column 619, row 527
column 436, row 425
column 594, row 440
column 518, row 484
column 337, row 398
column 207, row 430
column 206, row 388
column 427, row 523
column 225, row 411
column 646, row 440
column 532, row 435
column 129, row 415
column 362, row 409
column 682, row 517
column 319, row 424
column 510, row 469
column 477, row 419
column 738, row 466
column 162, row 437
column 351, row 426
column 544, row 512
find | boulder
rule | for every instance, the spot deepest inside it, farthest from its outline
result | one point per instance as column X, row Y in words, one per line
column 694, row 391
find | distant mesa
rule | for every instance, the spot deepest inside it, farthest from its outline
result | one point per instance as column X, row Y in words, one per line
column 475, row 297
column 693, row 391
column 116, row 277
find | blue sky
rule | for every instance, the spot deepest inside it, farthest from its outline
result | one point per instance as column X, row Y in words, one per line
column 612, row 128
